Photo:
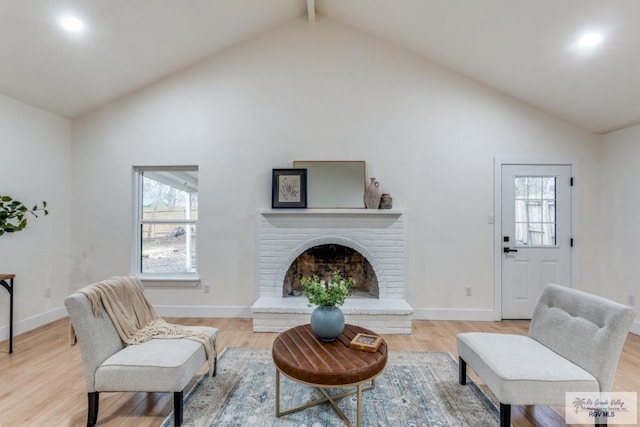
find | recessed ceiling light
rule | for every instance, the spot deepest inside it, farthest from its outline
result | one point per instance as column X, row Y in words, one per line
column 72, row 24
column 589, row 40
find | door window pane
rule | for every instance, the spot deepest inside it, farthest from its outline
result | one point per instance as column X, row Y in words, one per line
column 535, row 211
column 549, row 188
column 521, row 188
column 535, row 188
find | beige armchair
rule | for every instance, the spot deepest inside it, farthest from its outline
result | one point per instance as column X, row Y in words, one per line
column 159, row 365
column 574, row 344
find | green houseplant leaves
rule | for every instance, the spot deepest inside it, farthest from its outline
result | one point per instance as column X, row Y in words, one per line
column 13, row 214
column 333, row 293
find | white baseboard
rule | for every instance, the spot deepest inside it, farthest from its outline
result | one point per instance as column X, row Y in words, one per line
column 245, row 312
column 42, row 319
column 203, row 311
column 474, row 315
column 33, row 322
column 453, row 314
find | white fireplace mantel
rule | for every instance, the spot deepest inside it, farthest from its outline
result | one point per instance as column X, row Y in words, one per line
column 315, row 211
column 378, row 234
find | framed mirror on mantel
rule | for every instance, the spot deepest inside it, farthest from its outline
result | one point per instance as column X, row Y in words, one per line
column 334, row 184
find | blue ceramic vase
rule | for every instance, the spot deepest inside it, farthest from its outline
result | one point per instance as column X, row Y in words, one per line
column 327, row 322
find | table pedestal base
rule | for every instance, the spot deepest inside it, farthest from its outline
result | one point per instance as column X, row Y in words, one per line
column 359, row 388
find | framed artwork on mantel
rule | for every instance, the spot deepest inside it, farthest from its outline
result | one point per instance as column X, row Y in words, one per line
column 289, row 188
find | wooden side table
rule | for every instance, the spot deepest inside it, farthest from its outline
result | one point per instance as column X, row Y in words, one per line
column 9, row 288
column 302, row 357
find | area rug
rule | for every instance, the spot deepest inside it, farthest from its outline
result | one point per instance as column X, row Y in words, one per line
column 415, row 389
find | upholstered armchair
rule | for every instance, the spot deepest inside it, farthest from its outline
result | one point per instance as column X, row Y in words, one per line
column 574, row 343
column 159, row 365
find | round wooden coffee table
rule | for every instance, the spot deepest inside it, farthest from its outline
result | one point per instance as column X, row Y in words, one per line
column 301, row 356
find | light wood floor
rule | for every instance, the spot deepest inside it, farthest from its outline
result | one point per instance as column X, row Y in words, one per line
column 42, row 382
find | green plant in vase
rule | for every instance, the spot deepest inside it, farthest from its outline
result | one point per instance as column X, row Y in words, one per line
column 327, row 320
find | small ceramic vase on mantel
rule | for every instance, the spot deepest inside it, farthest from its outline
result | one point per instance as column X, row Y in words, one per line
column 372, row 195
column 386, row 202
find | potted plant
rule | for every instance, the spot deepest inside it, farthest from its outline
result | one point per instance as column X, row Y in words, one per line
column 327, row 320
column 13, row 214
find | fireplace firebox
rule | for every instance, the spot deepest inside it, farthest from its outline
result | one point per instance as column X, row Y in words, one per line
column 323, row 260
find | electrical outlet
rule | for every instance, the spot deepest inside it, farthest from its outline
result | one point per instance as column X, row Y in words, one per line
column 631, row 300
column 206, row 289
column 47, row 292
column 467, row 291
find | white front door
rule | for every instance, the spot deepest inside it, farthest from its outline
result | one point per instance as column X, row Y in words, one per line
column 536, row 234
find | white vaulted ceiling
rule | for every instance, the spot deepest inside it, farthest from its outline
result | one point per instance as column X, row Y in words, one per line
column 525, row 49
column 127, row 44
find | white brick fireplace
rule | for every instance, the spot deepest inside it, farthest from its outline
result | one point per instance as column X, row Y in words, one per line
column 379, row 235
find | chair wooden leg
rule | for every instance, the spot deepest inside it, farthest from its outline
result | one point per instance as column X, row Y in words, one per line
column 215, row 366
column 92, row 410
column 505, row 415
column 462, row 370
column 177, row 408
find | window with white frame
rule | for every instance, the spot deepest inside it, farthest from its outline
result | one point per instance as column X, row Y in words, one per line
column 166, row 222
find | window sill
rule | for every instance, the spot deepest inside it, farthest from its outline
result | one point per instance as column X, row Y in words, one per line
column 170, row 281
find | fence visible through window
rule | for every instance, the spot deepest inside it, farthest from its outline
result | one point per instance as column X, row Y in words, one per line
column 535, row 211
column 168, row 214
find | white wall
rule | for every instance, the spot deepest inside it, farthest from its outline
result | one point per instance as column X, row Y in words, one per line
column 621, row 213
column 321, row 92
column 35, row 153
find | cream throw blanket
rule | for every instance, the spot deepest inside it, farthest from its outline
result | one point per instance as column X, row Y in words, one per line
column 135, row 319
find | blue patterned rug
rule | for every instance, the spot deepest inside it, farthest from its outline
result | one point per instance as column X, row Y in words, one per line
column 415, row 389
